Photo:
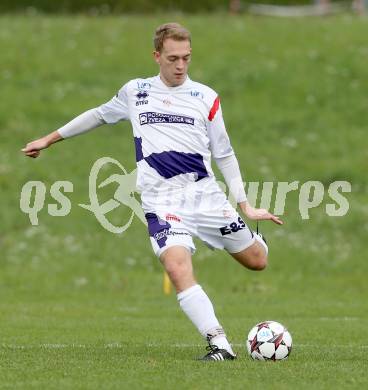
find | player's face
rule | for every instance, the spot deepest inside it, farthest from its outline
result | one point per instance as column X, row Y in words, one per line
column 174, row 60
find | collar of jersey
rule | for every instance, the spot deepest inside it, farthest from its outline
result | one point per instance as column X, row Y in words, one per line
column 164, row 86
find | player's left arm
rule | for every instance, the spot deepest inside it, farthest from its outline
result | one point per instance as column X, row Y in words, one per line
column 227, row 162
column 230, row 170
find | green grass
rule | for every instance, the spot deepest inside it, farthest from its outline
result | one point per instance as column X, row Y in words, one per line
column 83, row 308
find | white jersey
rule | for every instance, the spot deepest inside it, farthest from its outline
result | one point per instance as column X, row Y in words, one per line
column 176, row 131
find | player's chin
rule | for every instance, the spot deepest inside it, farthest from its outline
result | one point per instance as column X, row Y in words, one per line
column 179, row 78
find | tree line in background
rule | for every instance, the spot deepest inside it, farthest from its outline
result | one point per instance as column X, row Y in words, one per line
column 136, row 6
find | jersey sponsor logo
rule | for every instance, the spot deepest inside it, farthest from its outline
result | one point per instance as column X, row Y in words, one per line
column 146, row 118
column 233, row 227
column 172, row 217
column 197, row 94
column 141, row 98
column 143, row 85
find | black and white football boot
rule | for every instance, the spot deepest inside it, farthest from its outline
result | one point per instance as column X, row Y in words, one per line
column 216, row 354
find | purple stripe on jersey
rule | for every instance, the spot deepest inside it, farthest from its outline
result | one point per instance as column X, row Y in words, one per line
column 171, row 163
column 138, row 149
column 157, row 228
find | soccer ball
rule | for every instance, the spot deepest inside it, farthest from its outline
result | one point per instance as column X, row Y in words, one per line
column 269, row 340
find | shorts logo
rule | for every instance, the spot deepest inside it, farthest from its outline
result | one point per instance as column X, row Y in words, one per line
column 168, row 232
column 157, row 117
column 233, row 227
column 160, row 235
column 172, row 217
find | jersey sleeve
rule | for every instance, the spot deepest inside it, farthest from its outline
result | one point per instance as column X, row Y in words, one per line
column 116, row 109
column 220, row 145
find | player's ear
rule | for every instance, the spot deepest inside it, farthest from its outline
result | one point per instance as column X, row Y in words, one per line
column 156, row 56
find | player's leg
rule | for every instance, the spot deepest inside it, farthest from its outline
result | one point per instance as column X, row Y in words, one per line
column 230, row 232
column 253, row 257
column 177, row 261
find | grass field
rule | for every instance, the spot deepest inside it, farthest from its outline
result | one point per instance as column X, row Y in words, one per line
column 83, row 308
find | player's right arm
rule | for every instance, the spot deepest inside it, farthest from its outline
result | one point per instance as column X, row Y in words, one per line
column 79, row 125
column 113, row 111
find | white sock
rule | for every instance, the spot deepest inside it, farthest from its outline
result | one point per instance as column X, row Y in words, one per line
column 221, row 341
column 198, row 307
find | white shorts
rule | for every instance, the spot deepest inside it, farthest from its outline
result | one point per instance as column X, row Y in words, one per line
column 219, row 228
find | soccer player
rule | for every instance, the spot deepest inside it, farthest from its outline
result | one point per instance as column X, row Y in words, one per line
column 178, row 126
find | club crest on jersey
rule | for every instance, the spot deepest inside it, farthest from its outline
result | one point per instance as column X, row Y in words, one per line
column 141, row 98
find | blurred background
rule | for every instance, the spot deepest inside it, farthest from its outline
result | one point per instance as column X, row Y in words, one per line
column 293, row 81
column 288, row 7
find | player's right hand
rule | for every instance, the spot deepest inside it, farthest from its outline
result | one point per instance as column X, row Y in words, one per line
column 33, row 149
column 258, row 214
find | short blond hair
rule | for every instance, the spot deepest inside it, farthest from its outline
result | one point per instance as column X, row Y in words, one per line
column 170, row 30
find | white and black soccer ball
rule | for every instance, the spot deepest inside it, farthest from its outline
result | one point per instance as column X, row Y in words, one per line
column 269, row 340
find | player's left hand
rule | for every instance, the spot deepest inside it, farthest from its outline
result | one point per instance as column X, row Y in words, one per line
column 258, row 214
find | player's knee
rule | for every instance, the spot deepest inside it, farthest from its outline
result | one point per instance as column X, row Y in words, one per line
column 260, row 262
column 253, row 258
column 259, row 256
column 178, row 268
column 177, row 272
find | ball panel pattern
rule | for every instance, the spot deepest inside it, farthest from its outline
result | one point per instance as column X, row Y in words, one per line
column 269, row 340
